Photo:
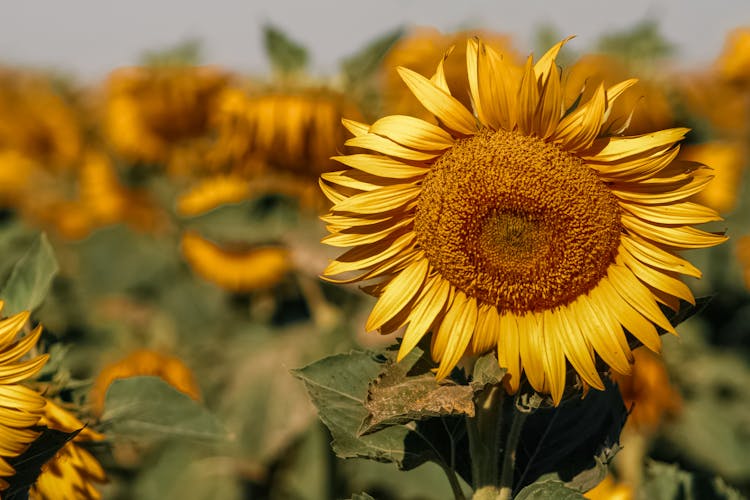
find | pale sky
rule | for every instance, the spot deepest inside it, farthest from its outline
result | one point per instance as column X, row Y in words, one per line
column 90, row 37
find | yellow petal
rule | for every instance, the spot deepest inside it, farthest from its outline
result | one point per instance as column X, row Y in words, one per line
column 398, row 294
column 657, row 279
column 382, row 166
column 531, row 346
column 553, row 358
column 380, row 144
column 637, row 295
column 633, row 321
column 618, row 148
column 680, row 236
column 508, row 350
column 656, row 256
column 356, row 128
column 487, row 331
column 528, row 99
column 673, row 213
column 413, row 133
column 446, row 108
column 379, row 200
column 577, row 351
column 457, row 328
column 430, row 306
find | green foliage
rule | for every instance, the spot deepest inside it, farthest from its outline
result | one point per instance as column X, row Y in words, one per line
column 28, row 465
column 186, row 53
column 643, row 42
column 30, row 278
column 545, row 490
column 668, row 482
column 147, row 407
column 286, row 55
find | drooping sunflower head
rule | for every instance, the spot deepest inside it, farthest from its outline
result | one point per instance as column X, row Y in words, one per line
column 169, row 368
column 519, row 225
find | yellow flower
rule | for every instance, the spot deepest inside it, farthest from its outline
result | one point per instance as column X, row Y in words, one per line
column 727, row 158
column 73, row 472
column 20, row 407
column 144, row 362
column 235, row 270
column 609, row 489
column 153, row 113
column 522, row 227
column 645, row 103
column 294, row 131
column 212, row 192
column 648, row 392
column 420, row 51
column 734, row 62
column 38, row 121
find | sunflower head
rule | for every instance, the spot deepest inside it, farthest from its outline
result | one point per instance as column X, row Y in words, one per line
column 73, row 472
column 21, row 408
column 520, row 225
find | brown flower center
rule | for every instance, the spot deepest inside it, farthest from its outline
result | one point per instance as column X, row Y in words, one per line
column 517, row 222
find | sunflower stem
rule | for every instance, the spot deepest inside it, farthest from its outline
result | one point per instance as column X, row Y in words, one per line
column 509, row 454
column 485, row 432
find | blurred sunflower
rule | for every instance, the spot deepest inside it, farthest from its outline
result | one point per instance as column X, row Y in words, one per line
column 648, row 392
column 144, row 362
column 242, row 270
column 523, row 226
column 38, row 120
column 645, row 104
column 20, row 407
column 734, row 62
column 609, row 489
column 297, row 131
column 421, row 51
column 73, row 472
column 212, row 192
column 728, row 161
column 162, row 115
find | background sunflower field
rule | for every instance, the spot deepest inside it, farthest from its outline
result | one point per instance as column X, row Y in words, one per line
column 162, row 224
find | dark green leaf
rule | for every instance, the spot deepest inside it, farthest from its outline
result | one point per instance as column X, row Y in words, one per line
column 544, row 490
column 407, row 391
column 28, row 464
column 668, row 482
column 573, row 441
column 486, row 372
column 338, row 386
column 143, row 407
column 285, row 54
column 31, row 278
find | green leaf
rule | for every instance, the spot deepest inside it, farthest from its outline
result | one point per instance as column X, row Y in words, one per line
column 574, row 441
column 143, row 407
column 338, row 386
column 305, row 471
column 30, row 278
column 486, row 372
column 28, row 465
column 180, row 470
column 186, row 53
column 545, row 490
column 669, row 482
column 407, row 391
column 643, row 42
column 286, row 55
column 362, row 65
column 361, row 496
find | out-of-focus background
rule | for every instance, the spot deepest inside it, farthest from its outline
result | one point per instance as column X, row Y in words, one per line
column 170, row 153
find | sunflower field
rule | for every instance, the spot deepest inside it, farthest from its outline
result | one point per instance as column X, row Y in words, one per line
column 454, row 268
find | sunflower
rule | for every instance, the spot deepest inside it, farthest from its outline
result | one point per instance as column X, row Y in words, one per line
column 522, row 227
column 734, row 63
column 20, row 407
column 647, row 392
column 645, row 104
column 727, row 159
column 144, row 362
column 73, row 472
column 609, row 489
column 743, row 255
column 212, row 192
column 420, row 50
column 237, row 270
